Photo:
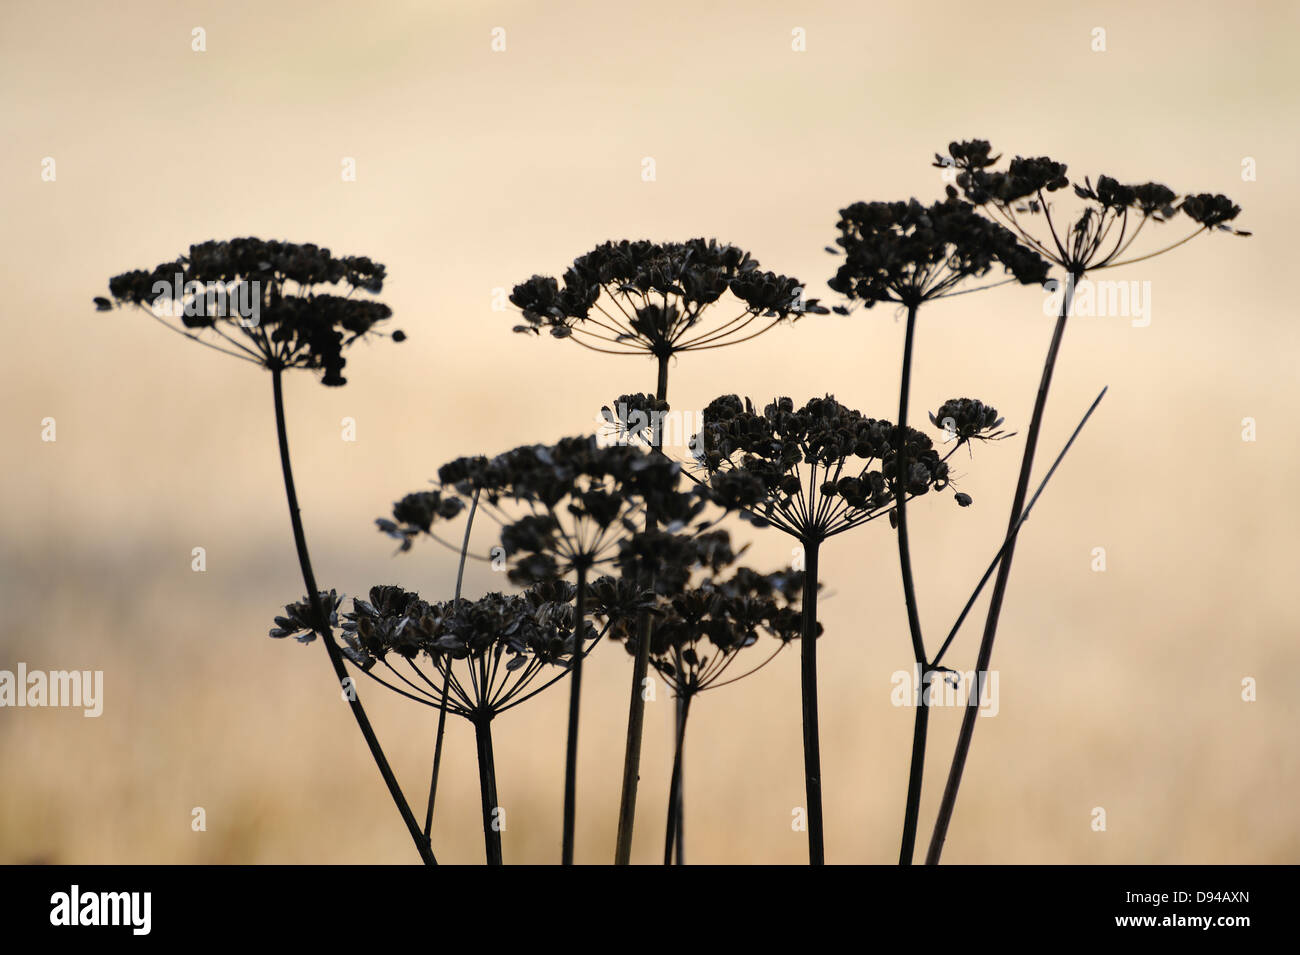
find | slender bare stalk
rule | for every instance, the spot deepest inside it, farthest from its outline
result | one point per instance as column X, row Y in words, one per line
column 1006, row 542
column 636, row 704
column 953, row 784
column 487, row 776
column 812, row 759
column 676, row 794
column 674, row 832
column 321, row 625
column 679, row 720
column 446, row 680
column 575, row 699
column 917, row 770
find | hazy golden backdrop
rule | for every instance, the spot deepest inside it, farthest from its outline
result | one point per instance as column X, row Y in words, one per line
column 476, row 169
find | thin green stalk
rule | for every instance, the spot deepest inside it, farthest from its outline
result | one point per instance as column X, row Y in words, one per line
column 949, row 801
column 322, row 628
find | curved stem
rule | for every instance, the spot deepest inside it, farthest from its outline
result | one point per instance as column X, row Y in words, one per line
column 673, row 835
column 636, row 704
column 327, row 635
column 575, row 694
column 487, row 781
column 812, row 760
column 900, row 494
column 917, row 771
column 953, row 784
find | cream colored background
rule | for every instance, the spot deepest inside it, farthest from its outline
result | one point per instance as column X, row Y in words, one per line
column 1119, row 690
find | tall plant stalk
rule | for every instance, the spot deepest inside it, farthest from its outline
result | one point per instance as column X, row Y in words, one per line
column 655, row 297
column 326, row 633
column 967, row 731
column 575, row 699
column 675, row 831
column 487, row 776
column 679, row 728
column 446, row 680
column 636, row 703
column 917, row 771
column 812, row 759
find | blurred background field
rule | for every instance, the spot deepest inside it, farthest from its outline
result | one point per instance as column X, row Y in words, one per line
column 1119, row 690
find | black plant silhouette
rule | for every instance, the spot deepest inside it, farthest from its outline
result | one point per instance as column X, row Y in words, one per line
column 632, row 298
column 670, row 584
column 813, row 473
column 563, row 509
column 488, row 652
column 649, row 298
column 1099, row 234
column 700, row 632
column 263, row 302
column 910, row 254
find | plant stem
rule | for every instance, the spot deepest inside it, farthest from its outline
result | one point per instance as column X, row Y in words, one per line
column 446, row 680
column 679, row 722
column 575, row 695
column 437, row 760
column 674, row 833
column 917, row 772
column 636, row 705
column 1020, row 522
column 321, row 624
column 661, row 383
column 812, row 760
column 487, row 781
column 949, row 800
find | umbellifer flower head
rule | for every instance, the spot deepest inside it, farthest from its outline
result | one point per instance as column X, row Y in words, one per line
column 634, row 419
column 909, row 253
column 968, row 419
column 296, row 621
column 628, row 298
column 263, row 302
column 561, row 507
column 1097, row 236
column 814, row 472
column 484, row 654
